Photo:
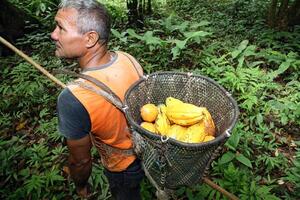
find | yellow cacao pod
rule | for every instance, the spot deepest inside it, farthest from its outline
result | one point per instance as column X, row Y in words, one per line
column 149, row 126
column 172, row 101
column 209, row 124
column 162, row 108
column 162, row 123
column 208, row 138
column 184, row 114
column 181, row 113
column 177, row 132
column 195, row 133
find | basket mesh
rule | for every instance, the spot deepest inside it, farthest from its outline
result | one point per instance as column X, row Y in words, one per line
column 173, row 163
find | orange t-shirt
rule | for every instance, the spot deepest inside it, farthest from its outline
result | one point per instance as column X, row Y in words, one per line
column 108, row 124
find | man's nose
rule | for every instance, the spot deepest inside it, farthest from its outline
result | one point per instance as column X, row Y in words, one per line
column 54, row 34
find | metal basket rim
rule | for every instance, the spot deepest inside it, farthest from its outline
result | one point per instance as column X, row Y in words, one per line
column 224, row 135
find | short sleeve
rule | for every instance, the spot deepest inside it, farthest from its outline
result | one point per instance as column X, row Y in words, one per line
column 73, row 119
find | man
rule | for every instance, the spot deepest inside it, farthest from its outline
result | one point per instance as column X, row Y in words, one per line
column 86, row 118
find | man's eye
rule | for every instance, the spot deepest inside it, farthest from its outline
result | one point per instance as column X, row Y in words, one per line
column 59, row 27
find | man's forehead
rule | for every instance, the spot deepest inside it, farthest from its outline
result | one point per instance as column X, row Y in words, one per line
column 66, row 15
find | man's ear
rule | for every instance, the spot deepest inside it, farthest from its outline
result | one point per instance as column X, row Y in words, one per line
column 92, row 38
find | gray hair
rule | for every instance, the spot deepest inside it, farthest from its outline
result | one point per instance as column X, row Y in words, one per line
column 92, row 16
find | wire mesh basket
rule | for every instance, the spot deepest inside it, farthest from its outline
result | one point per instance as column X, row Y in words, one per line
column 171, row 163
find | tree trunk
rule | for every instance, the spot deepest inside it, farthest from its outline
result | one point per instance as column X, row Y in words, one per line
column 135, row 14
column 12, row 24
column 137, row 9
column 272, row 13
column 149, row 7
column 283, row 14
column 294, row 14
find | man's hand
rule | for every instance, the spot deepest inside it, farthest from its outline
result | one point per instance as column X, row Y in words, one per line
column 84, row 192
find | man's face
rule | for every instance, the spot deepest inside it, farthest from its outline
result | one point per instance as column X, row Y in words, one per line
column 69, row 43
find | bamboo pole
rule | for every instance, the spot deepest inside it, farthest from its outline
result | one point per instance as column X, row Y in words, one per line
column 31, row 61
column 220, row 189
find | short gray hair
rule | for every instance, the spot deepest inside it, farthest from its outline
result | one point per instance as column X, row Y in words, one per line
column 92, row 16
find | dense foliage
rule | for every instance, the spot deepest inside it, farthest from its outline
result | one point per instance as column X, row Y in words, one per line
column 224, row 40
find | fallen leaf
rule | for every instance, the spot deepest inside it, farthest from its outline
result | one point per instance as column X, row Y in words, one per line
column 21, row 125
column 66, row 170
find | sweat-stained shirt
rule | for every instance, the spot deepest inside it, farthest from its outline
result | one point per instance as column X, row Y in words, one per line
column 82, row 112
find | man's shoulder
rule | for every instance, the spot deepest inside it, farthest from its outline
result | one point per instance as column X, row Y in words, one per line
column 125, row 54
column 74, row 120
column 65, row 95
column 67, row 100
column 126, row 57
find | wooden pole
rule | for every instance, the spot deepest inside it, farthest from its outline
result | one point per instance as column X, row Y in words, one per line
column 220, row 189
column 28, row 59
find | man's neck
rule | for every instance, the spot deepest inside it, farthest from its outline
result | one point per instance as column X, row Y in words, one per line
column 94, row 57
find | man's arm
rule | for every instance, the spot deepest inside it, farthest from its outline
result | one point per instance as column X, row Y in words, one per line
column 80, row 163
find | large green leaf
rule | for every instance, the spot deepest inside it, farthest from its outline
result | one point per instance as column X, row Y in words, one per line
column 241, row 158
column 233, row 141
column 150, row 39
column 227, row 157
column 240, row 49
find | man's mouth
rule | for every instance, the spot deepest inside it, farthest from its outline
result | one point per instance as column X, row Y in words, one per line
column 57, row 46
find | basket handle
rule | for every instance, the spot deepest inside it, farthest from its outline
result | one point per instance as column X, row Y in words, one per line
column 105, row 91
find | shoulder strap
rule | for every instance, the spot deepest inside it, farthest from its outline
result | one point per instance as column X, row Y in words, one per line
column 106, row 150
column 106, row 92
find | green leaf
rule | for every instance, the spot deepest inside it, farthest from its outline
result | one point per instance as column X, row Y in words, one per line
column 284, row 119
column 25, row 172
column 253, row 64
column 259, row 118
column 241, row 61
column 120, row 36
column 43, row 7
column 282, row 68
column 250, row 101
column 233, row 141
column 150, row 39
column 180, row 43
column 35, row 184
column 176, row 52
column 227, row 157
column 202, row 23
column 242, row 46
column 53, row 176
column 276, row 104
column 116, row 33
column 132, row 33
column 44, row 112
column 241, row 158
column 168, row 22
column 182, row 27
column 191, row 35
column 250, row 50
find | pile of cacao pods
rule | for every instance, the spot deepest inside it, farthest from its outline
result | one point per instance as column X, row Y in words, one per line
column 179, row 120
